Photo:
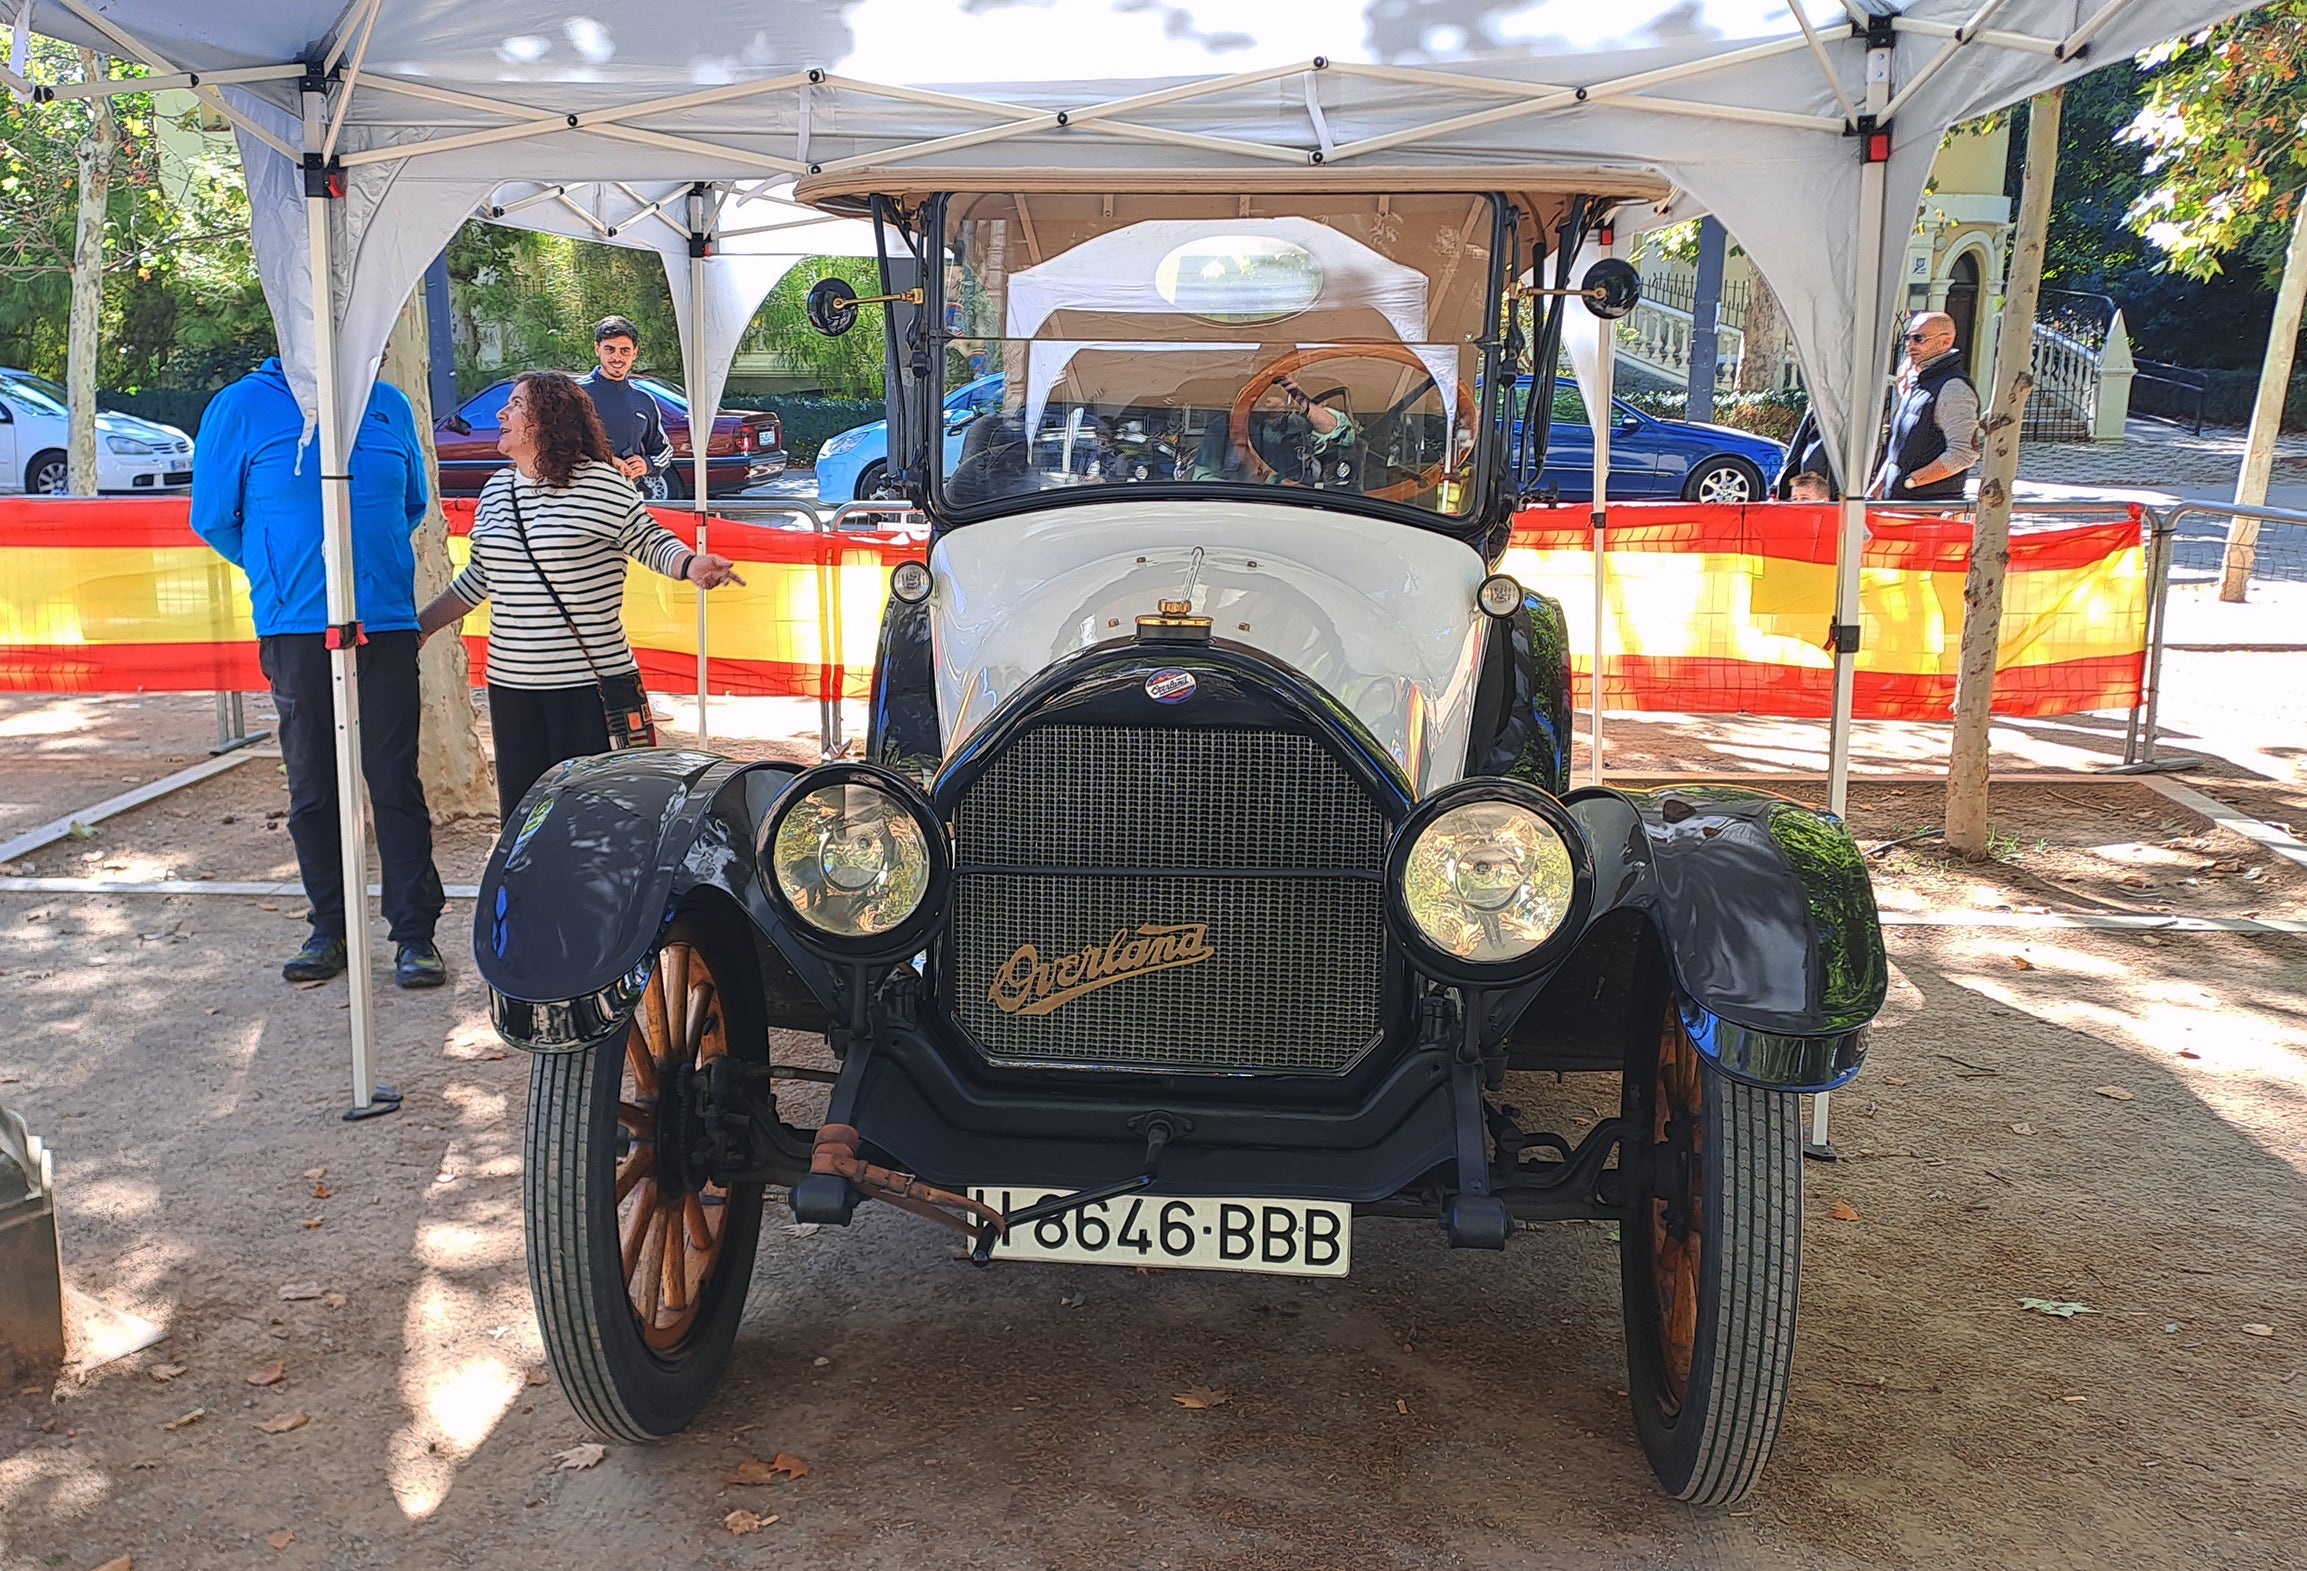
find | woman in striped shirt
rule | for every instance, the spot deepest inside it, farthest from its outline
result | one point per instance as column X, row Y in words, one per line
column 550, row 537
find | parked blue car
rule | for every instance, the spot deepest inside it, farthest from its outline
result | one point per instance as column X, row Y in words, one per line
column 850, row 466
column 1649, row 457
column 1653, row 458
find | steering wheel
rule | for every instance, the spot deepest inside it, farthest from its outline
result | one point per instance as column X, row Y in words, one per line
column 1238, row 424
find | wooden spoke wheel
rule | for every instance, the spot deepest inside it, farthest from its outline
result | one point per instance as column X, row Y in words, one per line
column 638, row 1260
column 1710, row 1260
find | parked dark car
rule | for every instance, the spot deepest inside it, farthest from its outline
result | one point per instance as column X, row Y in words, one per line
column 1653, row 459
column 748, row 445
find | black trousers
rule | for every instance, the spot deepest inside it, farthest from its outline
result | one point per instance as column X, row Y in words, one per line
column 297, row 666
column 538, row 727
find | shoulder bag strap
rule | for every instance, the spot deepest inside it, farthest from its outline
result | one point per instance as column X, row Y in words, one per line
column 521, row 533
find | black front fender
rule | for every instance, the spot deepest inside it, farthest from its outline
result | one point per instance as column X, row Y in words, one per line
column 1764, row 919
column 600, row 856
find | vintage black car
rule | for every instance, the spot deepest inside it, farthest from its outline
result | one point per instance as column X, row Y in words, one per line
column 1214, row 855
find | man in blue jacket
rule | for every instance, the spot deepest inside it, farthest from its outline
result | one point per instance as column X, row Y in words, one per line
column 256, row 500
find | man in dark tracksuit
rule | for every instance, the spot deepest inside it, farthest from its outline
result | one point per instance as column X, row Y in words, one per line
column 629, row 413
column 1934, row 425
column 256, row 500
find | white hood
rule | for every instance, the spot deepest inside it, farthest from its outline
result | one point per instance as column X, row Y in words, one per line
column 1381, row 616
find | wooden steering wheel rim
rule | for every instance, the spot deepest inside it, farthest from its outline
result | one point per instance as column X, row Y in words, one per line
column 1238, row 420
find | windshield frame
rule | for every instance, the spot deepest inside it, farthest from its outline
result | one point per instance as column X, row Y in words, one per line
column 1489, row 358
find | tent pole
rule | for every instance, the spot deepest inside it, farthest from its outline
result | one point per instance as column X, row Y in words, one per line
column 1858, row 443
column 1606, row 374
column 343, row 613
column 700, row 423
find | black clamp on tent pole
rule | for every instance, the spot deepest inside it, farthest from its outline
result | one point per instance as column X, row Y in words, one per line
column 1841, row 638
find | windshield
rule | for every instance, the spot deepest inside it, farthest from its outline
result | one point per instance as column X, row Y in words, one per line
column 37, row 391
column 1327, row 343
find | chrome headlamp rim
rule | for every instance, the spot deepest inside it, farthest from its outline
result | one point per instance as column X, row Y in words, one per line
column 1430, row 959
column 908, row 937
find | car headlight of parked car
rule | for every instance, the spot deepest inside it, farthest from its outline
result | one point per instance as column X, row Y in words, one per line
column 837, row 445
column 858, row 859
column 1488, row 880
column 128, row 446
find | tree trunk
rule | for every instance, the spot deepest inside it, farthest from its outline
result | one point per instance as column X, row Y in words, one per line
column 96, row 154
column 450, row 758
column 1966, row 810
column 2267, row 411
column 1765, row 330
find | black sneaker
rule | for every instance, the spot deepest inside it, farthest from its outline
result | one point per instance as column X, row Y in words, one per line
column 319, row 959
column 419, row 965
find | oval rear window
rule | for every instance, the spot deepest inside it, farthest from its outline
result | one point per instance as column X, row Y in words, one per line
column 1240, row 278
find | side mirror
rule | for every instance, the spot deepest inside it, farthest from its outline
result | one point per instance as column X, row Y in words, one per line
column 1611, row 288
column 832, row 307
column 1630, row 423
column 459, row 424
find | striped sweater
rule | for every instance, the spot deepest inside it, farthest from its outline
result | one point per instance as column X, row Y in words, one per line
column 580, row 536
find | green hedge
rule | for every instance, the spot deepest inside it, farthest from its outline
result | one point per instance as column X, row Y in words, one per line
column 177, row 406
column 809, row 420
column 1773, row 415
column 2227, row 399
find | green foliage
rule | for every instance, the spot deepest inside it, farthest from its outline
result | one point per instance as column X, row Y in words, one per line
column 808, row 420
column 1773, row 414
column 2225, row 128
column 182, row 305
column 540, row 296
column 850, row 366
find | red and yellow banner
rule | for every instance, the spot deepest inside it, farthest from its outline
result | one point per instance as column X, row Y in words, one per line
column 1728, row 610
column 1707, row 609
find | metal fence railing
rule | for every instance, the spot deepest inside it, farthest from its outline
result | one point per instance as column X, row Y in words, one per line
column 2213, row 554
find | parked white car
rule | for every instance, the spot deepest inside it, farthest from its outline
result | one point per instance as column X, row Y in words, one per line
column 132, row 455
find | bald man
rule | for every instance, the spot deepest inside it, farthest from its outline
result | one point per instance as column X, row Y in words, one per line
column 1934, row 425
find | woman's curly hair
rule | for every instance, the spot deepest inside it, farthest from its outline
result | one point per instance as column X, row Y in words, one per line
column 568, row 428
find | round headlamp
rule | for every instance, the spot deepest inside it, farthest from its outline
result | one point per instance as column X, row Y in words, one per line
column 911, row 582
column 1500, row 594
column 857, row 860
column 1487, row 881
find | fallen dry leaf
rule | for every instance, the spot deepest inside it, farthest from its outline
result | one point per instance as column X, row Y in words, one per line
column 2021, row 963
column 790, row 1465
column 751, row 1471
column 316, row 1174
column 282, row 1423
column 1401, row 1407
column 166, row 1372
column 298, row 1292
column 322, row 1192
column 1842, row 1211
column 2059, row 1308
column 743, row 1522
column 1894, row 1080
column 2188, row 1052
column 270, row 1375
column 2256, row 1329
column 281, row 1539
column 2022, row 1129
column 333, row 1300
column 577, row 1458
column 306, row 987
column 1199, row 1397
column 193, row 1417
column 2116, row 1093
column 311, row 1222
column 121, row 1564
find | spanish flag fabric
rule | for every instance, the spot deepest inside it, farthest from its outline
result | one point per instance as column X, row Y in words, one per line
column 1707, row 609
column 1729, row 610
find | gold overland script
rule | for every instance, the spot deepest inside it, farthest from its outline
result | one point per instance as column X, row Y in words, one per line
column 1026, row 984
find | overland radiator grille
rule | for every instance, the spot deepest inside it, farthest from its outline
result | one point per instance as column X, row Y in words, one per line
column 1206, row 901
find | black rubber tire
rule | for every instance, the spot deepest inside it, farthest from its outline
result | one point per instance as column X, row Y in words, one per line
column 619, row 1385
column 49, row 474
column 1721, row 475
column 870, row 480
column 1709, row 1445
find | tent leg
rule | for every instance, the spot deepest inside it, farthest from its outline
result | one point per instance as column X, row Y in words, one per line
column 700, row 437
column 1605, row 373
column 368, row 1099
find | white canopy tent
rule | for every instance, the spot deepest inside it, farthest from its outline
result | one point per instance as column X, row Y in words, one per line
column 1807, row 128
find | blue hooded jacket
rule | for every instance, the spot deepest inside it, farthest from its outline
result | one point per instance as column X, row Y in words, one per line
column 256, row 500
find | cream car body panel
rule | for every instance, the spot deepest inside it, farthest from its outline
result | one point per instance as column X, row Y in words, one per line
column 1380, row 616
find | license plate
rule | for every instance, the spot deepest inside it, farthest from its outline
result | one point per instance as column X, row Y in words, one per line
column 1280, row 1237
